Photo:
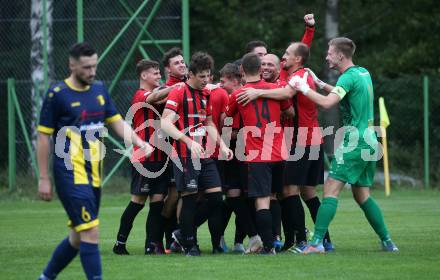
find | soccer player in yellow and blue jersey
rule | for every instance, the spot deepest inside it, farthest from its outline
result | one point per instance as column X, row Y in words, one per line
column 74, row 112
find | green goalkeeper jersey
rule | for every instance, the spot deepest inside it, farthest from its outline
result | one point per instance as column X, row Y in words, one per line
column 355, row 89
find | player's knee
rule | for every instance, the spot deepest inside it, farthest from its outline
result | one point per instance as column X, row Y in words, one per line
column 74, row 239
column 90, row 235
column 332, row 187
column 233, row 193
column 214, row 190
column 290, row 190
column 308, row 192
column 262, row 203
column 172, row 196
column 139, row 199
column 156, row 197
column 360, row 197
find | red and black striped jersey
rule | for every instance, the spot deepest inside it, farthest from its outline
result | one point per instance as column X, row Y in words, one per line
column 192, row 106
column 146, row 124
column 262, row 117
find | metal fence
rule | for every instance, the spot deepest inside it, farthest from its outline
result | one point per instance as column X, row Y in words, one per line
column 123, row 32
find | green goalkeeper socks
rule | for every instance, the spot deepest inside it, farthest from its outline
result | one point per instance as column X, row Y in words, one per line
column 326, row 213
column 375, row 218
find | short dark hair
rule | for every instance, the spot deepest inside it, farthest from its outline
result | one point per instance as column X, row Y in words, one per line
column 303, row 51
column 146, row 64
column 230, row 71
column 173, row 52
column 250, row 46
column 344, row 45
column 81, row 49
column 251, row 64
column 201, row 61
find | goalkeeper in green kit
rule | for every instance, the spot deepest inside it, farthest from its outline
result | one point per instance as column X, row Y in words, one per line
column 355, row 159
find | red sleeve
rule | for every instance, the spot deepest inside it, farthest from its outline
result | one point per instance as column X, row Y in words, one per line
column 225, row 102
column 174, row 99
column 308, row 36
column 209, row 108
column 232, row 107
column 140, row 96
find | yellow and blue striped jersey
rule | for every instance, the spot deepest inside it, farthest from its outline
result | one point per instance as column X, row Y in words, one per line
column 76, row 120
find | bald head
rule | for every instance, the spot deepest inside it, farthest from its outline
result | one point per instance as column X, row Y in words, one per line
column 270, row 67
column 296, row 55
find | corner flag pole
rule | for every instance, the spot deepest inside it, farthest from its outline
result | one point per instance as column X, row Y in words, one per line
column 384, row 123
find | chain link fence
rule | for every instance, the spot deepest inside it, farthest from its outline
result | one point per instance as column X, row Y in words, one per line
column 404, row 100
column 103, row 21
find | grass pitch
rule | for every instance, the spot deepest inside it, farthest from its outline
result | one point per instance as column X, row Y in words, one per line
column 30, row 230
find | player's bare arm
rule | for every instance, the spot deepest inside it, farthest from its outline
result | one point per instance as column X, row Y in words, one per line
column 44, row 184
column 322, row 85
column 125, row 131
column 325, row 101
column 215, row 136
column 169, row 117
column 158, row 96
column 251, row 94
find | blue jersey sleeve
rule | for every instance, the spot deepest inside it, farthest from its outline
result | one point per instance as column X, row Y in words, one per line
column 111, row 114
column 49, row 112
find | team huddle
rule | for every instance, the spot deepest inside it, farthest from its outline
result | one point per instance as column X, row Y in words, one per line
column 249, row 145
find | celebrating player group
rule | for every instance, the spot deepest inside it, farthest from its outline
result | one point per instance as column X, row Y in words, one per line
column 250, row 144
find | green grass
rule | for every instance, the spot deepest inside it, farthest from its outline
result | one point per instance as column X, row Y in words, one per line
column 30, row 230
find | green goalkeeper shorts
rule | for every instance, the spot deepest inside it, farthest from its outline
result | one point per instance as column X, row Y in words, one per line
column 351, row 168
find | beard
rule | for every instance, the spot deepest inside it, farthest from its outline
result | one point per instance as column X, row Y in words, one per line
column 84, row 82
column 286, row 67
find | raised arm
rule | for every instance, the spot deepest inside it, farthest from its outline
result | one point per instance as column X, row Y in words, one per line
column 309, row 32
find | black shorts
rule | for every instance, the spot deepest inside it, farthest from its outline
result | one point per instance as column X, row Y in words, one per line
column 220, row 164
column 233, row 174
column 265, row 178
column 192, row 180
column 306, row 171
column 141, row 185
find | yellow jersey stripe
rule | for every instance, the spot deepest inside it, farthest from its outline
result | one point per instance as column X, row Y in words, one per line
column 70, row 85
column 94, row 149
column 45, row 129
column 86, row 226
column 113, row 118
column 76, row 153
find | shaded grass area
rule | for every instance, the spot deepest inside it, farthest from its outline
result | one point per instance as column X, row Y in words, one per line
column 30, row 230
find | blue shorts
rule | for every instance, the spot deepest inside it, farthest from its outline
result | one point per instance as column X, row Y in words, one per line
column 82, row 210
